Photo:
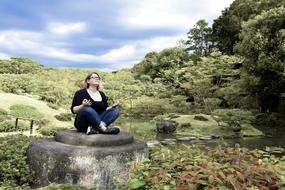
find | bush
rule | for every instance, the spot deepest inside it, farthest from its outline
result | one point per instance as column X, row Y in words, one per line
column 25, row 111
column 13, row 163
column 215, row 168
column 7, row 126
column 64, row 116
column 53, row 106
column 3, row 112
column 50, row 130
column 231, row 116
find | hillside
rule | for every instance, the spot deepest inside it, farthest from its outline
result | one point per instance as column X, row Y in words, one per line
column 8, row 99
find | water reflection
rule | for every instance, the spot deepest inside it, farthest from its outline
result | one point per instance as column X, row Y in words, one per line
column 144, row 130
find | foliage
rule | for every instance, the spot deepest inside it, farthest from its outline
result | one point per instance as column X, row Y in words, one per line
column 211, row 74
column 262, row 45
column 232, row 116
column 54, row 186
column 19, row 65
column 17, row 83
column 13, row 163
column 7, row 126
column 25, row 111
column 226, row 28
column 64, row 116
column 199, row 42
column 50, row 130
column 220, row 167
column 3, row 112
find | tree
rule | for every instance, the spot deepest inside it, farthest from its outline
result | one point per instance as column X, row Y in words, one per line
column 227, row 27
column 262, row 44
column 19, row 65
column 199, row 41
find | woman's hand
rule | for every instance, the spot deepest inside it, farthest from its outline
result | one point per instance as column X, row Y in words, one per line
column 116, row 103
column 86, row 102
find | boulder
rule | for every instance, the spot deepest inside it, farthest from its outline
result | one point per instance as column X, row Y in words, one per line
column 166, row 126
column 86, row 160
column 201, row 117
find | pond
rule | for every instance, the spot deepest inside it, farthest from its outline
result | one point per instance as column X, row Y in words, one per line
column 145, row 130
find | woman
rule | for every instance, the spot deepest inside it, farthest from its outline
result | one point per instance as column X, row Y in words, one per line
column 90, row 105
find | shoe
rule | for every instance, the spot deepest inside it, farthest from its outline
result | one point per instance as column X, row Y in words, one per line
column 111, row 131
column 90, row 130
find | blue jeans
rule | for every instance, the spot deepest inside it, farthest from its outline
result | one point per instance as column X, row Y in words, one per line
column 87, row 116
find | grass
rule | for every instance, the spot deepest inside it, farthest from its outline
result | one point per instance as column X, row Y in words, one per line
column 9, row 99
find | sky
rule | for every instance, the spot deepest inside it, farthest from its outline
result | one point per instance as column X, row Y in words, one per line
column 104, row 34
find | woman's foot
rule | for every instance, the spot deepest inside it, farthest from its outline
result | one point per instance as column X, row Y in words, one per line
column 90, row 130
column 110, row 131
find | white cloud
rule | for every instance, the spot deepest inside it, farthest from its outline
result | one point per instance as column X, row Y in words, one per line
column 42, row 44
column 65, row 29
column 176, row 15
column 4, row 56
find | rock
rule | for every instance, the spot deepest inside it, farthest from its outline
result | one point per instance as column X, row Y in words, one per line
column 205, row 138
column 201, row 117
column 190, row 98
column 215, row 136
column 152, row 143
column 166, row 126
column 86, row 160
column 168, row 142
column 187, row 138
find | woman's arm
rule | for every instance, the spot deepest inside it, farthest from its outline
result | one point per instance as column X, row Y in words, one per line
column 85, row 102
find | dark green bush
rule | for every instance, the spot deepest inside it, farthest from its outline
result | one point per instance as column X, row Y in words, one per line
column 7, row 126
column 3, row 112
column 13, row 163
column 50, row 130
column 25, row 111
column 64, row 116
column 53, row 106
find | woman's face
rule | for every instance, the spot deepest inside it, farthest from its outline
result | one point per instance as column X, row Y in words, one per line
column 94, row 80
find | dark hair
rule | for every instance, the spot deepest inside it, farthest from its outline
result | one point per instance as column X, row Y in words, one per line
column 89, row 77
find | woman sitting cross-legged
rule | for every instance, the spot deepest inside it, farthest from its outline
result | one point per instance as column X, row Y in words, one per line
column 93, row 115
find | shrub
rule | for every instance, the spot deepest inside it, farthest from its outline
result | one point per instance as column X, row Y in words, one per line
column 233, row 115
column 25, row 111
column 53, row 106
column 220, row 167
column 3, row 112
column 7, row 126
column 50, row 130
column 64, row 116
column 13, row 163
column 54, row 186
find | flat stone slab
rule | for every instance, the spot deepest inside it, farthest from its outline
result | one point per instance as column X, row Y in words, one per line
column 72, row 137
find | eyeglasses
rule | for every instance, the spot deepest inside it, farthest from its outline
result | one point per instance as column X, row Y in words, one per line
column 96, row 78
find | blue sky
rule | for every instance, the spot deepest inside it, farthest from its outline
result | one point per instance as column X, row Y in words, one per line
column 104, row 34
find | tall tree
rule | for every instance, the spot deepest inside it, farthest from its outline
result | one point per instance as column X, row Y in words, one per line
column 199, row 42
column 227, row 27
column 262, row 44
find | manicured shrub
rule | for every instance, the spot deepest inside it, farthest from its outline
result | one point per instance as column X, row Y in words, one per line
column 64, row 116
column 7, row 126
column 3, row 112
column 13, row 163
column 25, row 111
column 50, row 130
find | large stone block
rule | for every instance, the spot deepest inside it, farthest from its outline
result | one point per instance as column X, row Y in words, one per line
column 87, row 160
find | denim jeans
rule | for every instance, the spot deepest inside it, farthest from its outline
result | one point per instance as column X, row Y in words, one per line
column 87, row 116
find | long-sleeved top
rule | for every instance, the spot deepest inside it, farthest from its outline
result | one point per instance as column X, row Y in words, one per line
column 98, row 106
